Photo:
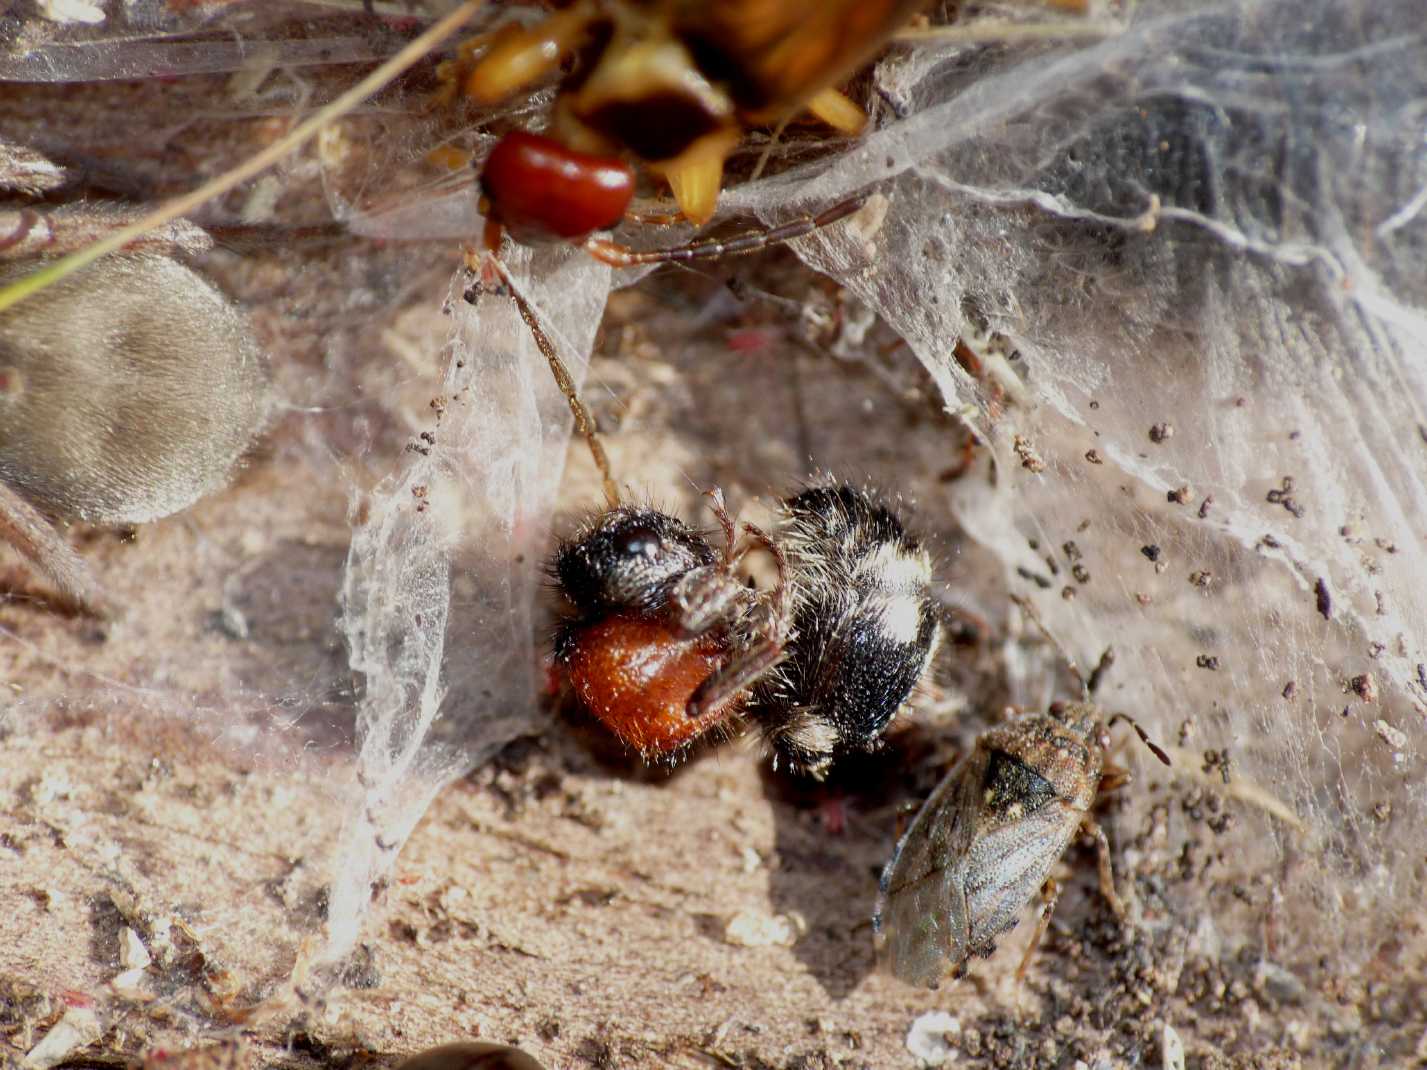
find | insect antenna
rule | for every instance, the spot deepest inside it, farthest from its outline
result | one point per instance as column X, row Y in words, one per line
column 1155, row 749
column 584, row 419
column 758, row 659
column 617, row 255
column 1097, row 674
column 1106, row 659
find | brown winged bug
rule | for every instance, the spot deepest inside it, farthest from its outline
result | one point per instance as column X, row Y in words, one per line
column 986, row 840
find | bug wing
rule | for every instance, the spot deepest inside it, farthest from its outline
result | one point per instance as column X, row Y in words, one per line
column 1007, row 866
column 922, row 920
column 788, row 50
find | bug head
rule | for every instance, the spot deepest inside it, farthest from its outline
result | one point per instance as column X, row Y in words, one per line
column 1082, row 721
column 629, row 558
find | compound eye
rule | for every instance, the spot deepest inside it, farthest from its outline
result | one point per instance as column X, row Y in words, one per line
column 642, row 542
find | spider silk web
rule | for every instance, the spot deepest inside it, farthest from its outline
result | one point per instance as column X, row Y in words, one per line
column 1189, row 254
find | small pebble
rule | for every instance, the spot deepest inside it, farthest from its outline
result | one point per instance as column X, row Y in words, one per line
column 930, row 1038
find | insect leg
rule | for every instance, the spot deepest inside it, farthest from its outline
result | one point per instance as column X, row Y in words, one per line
column 709, row 596
column 738, row 674
column 750, row 664
column 781, row 610
column 584, row 419
column 839, row 112
column 706, row 597
column 654, row 219
column 966, row 457
column 617, row 255
column 1097, row 674
column 1107, row 873
column 519, row 56
column 1113, row 777
column 720, row 512
column 26, row 529
column 1050, row 895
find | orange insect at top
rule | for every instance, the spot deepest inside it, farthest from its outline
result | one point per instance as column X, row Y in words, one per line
column 676, row 83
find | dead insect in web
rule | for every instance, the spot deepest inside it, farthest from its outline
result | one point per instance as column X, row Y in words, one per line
column 674, row 85
column 985, row 842
column 663, row 643
column 128, row 391
column 663, row 638
column 666, row 643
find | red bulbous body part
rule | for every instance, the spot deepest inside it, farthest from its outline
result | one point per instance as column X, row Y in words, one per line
column 637, row 675
column 541, row 192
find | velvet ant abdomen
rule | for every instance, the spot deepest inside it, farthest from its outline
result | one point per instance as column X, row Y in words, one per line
column 636, row 675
